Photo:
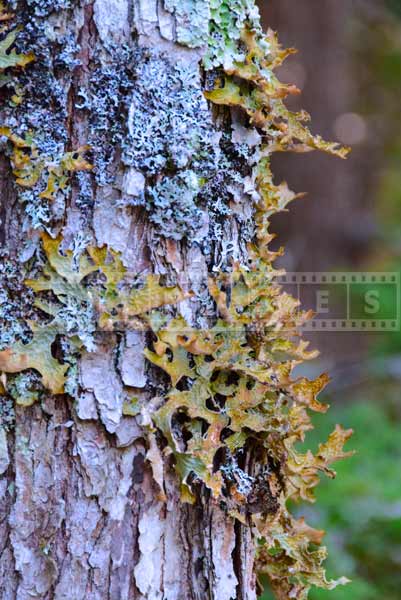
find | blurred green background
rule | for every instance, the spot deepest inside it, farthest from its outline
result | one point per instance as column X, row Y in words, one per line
column 349, row 70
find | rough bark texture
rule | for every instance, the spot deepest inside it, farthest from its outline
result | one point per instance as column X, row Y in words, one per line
column 138, row 288
column 80, row 514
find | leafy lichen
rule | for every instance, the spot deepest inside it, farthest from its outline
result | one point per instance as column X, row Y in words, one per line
column 232, row 415
column 227, row 21
column 232, row 393
column 41, row 177
column 78, row 307
column 10, row 58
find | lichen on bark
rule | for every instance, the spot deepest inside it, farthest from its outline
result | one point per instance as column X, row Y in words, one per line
column 139, row 141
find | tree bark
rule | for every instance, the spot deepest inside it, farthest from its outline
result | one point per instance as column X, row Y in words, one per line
column 138, row 288
column 80, row 511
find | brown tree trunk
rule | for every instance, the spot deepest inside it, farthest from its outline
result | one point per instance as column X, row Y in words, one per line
column 138, row 287
column 81, row 514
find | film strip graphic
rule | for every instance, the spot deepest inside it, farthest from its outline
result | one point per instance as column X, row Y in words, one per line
column 352, row 301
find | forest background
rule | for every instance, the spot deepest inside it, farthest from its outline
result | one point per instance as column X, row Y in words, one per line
column 349, row 70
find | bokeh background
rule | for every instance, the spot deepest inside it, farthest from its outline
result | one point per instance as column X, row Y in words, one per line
column 349, row 70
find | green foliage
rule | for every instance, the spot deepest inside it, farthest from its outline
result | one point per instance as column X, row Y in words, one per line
column 395, row 6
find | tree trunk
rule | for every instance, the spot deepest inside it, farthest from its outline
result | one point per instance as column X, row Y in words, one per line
column 135, row 226
column 80, row 514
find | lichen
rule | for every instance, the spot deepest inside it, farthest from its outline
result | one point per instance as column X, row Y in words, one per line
column 105, row 103
column 25, row 388
column 227, row 20
column 169, row 122
column 172, row 201
column 226, row 404
column 74, row 307
column 171, row 132
column 192, row 21
column 10, row 58
column 15, row 304
column 40, row 177
column 42, row 8
column 7, row 413
column 251, row 85
column 231, row 392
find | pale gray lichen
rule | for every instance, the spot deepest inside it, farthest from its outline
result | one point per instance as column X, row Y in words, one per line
column 172, row 140
column 7, row 413
column 235, row 475
column 77, row 318
column 41, row 113
column 169, row 121
column 15, row 304
column 71, row 356
column 172, row 207
column 42, row 8
column 71, row 385
column 83, row 181
column 69, row 49
column 192, row 21
column 25, row 388
column 227, row 20
column 105, row 101
column 153, row 111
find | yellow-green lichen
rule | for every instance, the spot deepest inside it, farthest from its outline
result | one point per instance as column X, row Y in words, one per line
column 40, row 176
column 77, row 308
column 232, row 394
column 232, row 414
